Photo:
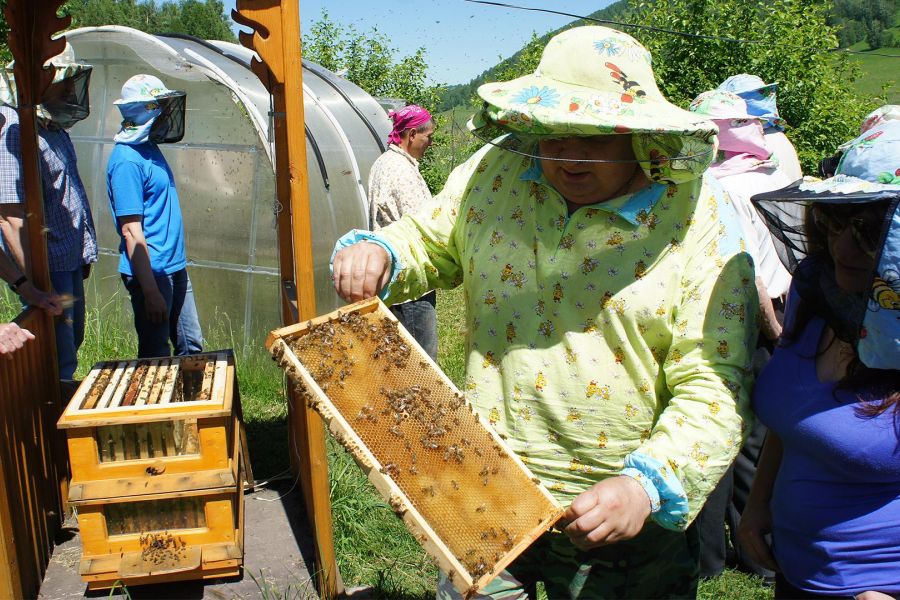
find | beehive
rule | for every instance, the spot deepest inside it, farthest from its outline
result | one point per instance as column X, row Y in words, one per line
column 153, row 426
column 471, row 503
column 162, row 537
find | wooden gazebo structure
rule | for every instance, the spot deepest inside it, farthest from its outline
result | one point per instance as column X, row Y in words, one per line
column 32, row 457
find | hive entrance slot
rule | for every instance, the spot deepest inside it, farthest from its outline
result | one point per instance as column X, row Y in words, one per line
column 153, row 516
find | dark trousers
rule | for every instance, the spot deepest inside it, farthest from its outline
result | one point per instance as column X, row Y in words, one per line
column 726, row 503
column 419, row 317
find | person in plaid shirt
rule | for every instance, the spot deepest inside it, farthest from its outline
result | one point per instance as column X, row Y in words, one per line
column 71, row 239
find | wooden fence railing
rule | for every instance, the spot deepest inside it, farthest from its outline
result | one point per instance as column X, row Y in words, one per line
column 32, row 459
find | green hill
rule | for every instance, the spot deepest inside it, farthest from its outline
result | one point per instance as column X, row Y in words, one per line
column 461, row 95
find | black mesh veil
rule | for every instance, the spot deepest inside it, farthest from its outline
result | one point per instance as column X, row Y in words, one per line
column 67, row 101
column 168, row 127
column 801, row 245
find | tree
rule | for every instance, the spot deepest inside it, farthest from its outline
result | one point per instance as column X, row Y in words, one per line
column 205, row 19
column 369, row 61
column 815, row 94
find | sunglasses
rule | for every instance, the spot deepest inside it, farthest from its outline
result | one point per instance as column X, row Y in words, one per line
column 865, row 225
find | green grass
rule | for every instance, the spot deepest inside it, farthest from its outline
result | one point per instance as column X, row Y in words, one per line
column 880, row 73
column 373, row 546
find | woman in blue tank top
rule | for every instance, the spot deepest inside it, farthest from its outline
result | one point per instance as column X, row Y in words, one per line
column 827, row 487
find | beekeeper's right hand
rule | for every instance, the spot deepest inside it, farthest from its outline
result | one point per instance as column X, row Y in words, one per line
column 360, row 271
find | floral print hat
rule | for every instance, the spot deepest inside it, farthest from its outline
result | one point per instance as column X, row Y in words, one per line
column 869, row 172
column 599, row 81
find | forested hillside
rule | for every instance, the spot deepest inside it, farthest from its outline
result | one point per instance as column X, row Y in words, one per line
column 459, row 95
column 867, row 21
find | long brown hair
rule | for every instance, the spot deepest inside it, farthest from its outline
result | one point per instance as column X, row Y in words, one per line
column 877, row 390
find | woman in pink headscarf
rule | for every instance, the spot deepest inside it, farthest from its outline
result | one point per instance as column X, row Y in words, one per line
column 395, row 188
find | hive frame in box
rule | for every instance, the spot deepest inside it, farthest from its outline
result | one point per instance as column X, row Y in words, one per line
column 464, row 579
column 218, row 422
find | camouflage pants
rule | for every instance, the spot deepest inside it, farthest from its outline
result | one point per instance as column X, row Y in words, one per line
column 656, row 564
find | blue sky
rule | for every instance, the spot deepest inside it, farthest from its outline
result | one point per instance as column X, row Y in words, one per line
column 461, row 39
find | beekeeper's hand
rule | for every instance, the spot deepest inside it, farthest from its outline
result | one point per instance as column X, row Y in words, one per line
column 360, row 271
column 610, row 511
column 12, row 337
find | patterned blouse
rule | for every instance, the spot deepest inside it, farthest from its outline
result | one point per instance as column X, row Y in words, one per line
column 615, row 340
column 395, row 187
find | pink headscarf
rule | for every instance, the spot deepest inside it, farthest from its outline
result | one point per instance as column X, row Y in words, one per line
column 406, row 118
column 742, row 148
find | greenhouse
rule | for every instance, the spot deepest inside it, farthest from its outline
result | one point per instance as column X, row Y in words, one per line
column 224, row 171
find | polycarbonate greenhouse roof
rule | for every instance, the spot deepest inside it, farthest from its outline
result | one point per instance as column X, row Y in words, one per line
column 224, row 170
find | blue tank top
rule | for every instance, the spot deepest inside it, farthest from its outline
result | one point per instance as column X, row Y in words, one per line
column 836, row 501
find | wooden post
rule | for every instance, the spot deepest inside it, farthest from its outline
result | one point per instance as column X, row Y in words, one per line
column 32, row 24
column 276, row 39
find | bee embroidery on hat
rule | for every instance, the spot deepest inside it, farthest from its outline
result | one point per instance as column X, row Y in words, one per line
column 621, row 78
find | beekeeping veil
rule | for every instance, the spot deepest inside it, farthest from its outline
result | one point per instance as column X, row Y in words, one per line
column 868, row 175
column 150, row 112
column 65, row 101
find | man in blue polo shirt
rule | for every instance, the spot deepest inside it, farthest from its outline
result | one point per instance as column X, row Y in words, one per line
column 144, row 202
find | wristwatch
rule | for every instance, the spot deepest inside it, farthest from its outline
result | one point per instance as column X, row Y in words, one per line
column 18, row 282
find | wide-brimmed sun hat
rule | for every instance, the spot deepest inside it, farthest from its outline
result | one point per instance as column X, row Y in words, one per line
column 599, row 81
column 590, row 81
column 143, row 88
column 761, row 97
column 720, row 104
column 144, row 100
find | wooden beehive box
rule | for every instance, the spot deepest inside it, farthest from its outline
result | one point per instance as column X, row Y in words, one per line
column 150, row 426
column 162, row 537
column 471, row 503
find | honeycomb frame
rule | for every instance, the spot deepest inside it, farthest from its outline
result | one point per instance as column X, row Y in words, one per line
column 465, row 496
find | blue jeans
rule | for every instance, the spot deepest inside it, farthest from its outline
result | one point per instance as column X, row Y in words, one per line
column 182, row 327
column 419, row 317
column 70, row 324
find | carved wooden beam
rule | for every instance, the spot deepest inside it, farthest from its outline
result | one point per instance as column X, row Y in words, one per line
column 275, row 38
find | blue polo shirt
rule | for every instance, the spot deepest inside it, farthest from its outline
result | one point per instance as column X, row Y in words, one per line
column 140, row 182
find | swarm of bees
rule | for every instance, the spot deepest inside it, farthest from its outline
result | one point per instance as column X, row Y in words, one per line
column 159, row 548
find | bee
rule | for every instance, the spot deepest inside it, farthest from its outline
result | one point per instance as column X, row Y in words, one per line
column 731, row 310
column 722, row 349
column 540, row 381
column 557, row 292
column 498, row 183
column 640, row 269
column 886, row 290
column 510, row 332
column 630, row 88
column 588, row 265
